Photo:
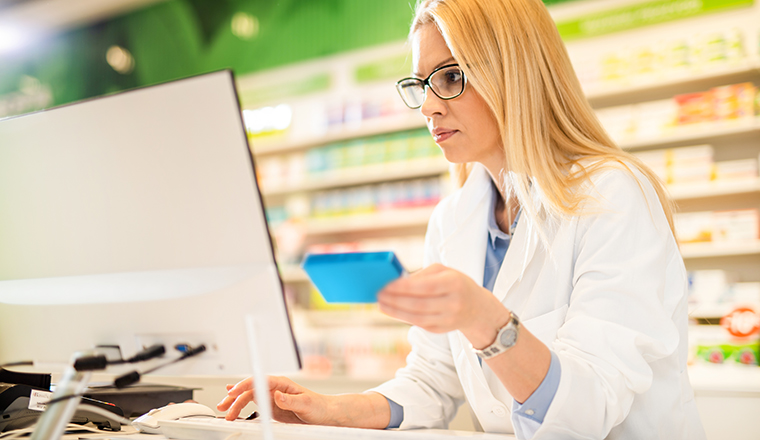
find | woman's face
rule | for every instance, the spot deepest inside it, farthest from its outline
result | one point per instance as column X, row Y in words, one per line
column 464, row 127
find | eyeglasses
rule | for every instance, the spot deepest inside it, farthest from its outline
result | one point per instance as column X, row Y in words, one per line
column 447, row 82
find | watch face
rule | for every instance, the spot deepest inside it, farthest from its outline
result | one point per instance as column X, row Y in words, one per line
column 508, row 337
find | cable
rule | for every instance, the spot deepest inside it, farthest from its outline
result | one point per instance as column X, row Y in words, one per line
column 134, row 376
column 16, row 433
column 17, row 364
column 100, row 361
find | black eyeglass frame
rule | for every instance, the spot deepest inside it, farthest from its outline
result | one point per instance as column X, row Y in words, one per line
column 426, row 85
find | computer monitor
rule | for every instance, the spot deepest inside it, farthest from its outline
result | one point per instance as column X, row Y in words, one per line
column 135, row 219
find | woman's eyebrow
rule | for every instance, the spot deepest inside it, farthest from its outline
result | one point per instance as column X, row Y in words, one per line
column 442, row 63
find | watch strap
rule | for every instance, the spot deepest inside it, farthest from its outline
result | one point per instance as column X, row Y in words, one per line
column 497, row 348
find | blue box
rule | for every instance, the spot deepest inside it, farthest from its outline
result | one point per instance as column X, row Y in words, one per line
column 352, row 277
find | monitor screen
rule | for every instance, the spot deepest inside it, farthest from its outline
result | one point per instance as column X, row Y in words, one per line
column 135, row 219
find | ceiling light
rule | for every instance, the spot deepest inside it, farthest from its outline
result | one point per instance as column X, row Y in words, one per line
column 10, row 39
column 245, row 26
column 120, row 59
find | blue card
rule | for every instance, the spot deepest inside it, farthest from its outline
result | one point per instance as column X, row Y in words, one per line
column 353, row 277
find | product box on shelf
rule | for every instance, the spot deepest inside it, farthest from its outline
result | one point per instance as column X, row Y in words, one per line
column 341, row 348
column 741, row 169
column 694, row 227
column 688, row 165
column 735, row 340
column 735, row 226
column 662, row 59
column 730, row 104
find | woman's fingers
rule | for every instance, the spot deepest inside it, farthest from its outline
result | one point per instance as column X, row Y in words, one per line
column 233, row 391
column 242, row 393
column 237, row 404
column 424, row 284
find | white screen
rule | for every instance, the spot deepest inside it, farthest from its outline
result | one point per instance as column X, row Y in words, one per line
column 135, row 218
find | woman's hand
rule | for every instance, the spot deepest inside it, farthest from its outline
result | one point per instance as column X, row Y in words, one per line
column 291, row 403
column 440, row 299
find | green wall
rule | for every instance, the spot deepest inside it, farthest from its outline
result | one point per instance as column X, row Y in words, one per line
column 178, row 38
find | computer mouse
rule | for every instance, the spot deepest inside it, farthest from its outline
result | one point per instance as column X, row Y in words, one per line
column 148, row 422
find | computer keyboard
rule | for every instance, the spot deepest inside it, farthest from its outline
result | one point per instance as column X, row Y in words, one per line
column 221, row 429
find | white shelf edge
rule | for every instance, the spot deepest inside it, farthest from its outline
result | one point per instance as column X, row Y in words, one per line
column 614, row 89
column 706, row 250
column 725, row 378
column 369, row 127
column 713, row 189
column 716, row 310
column 421, row 167
column 349, row 318
column 390, row 219
column 697, row 132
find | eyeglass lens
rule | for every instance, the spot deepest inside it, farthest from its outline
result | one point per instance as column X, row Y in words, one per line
column 446, row 83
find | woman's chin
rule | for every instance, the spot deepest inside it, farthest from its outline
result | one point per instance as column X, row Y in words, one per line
column 453, row 156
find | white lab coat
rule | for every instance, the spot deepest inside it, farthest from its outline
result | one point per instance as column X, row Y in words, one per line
column 607, row 295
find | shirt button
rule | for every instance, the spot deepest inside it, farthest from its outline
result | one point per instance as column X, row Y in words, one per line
column 499, row 411
column 529, row 412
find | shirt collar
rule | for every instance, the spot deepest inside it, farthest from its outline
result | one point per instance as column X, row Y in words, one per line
column 493, row 229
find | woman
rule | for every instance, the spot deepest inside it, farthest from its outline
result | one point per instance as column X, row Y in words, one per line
column 553, row 224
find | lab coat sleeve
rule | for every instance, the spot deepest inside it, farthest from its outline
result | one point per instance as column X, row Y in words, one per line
column 619, row 317
column 428, row 388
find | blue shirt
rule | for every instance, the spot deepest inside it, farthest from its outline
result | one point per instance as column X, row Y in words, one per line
column 530, row 413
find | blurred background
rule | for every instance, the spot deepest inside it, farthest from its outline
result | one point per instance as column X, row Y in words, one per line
column 344, row 166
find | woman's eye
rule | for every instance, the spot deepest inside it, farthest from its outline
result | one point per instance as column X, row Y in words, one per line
column 453, row 76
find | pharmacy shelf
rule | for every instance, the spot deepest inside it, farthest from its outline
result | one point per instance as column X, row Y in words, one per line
column 715, row 310
column 350, row 317
column 406, row 120
column 714, row 189
column 725, row 378
column 383, row 220
column 664, row 86
column 422, row 167
column 707, row 250
column 698, row 133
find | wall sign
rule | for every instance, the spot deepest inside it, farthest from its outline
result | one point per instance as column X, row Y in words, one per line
column 640, row 15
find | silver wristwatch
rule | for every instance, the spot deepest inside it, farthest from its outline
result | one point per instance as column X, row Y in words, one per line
column 505, row 339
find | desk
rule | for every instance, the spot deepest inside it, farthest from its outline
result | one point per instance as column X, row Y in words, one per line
column 424, row 434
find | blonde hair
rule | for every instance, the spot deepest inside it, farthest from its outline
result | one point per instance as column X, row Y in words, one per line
column 512, row 54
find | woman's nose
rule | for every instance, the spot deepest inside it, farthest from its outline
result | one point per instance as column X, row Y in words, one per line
column 432, row 105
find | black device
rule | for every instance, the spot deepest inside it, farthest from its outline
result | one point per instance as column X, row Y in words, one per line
column 15, row 412
column 136, row 400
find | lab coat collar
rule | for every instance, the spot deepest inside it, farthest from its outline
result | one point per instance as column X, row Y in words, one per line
column 465, row 247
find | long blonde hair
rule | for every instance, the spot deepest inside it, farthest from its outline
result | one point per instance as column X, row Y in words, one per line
column 512, row 54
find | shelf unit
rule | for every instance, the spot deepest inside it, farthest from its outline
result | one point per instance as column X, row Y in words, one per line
column 709, row 250
column 699, row 133
column 363, row 175
column 658, row 86
column 406, row 120
column 390, row 219
column 714, row 189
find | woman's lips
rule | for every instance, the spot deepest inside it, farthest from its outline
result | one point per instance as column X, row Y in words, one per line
column 441, row 135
